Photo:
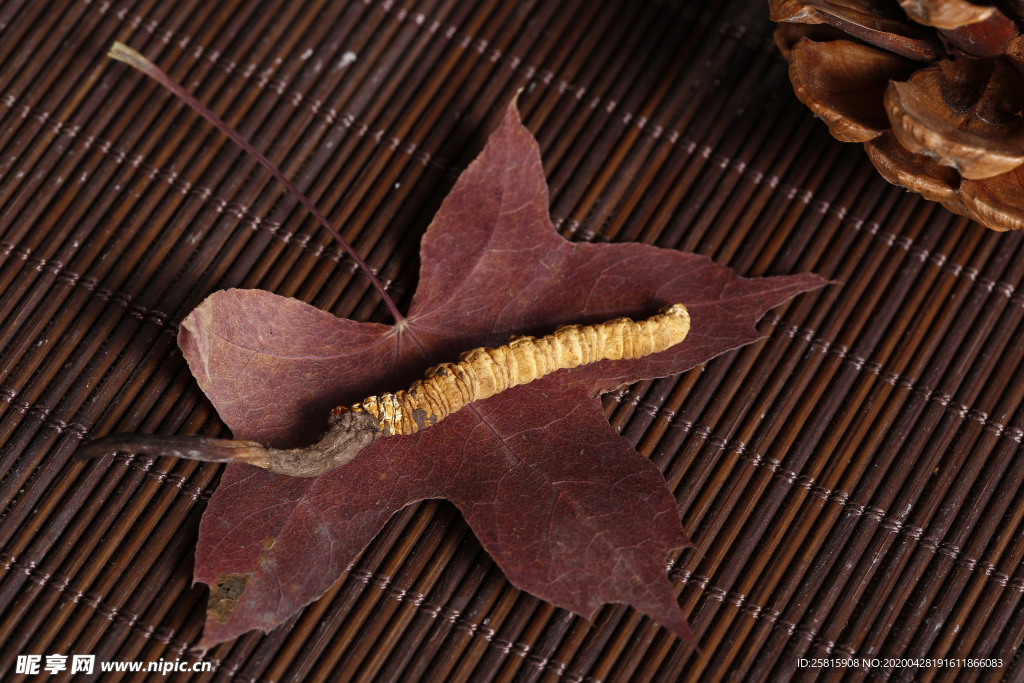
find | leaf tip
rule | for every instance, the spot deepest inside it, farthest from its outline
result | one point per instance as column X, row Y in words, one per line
column 207, row 642
column 512, row 111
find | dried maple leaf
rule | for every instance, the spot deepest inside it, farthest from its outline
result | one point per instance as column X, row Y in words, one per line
column 561, row 502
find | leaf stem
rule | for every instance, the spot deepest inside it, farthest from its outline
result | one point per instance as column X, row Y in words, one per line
column 123, row 53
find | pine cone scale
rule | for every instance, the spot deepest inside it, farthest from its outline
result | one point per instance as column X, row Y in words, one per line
column 932, row 88
column 996, row 201
column 948, row 14
column 843, row 82
column 923, row 175
column 893, row 35
column 988, row 39
column 929, row 117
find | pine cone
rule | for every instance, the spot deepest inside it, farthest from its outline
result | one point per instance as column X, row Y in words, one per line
column 933, row 88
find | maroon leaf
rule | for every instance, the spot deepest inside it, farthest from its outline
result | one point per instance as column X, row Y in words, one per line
column 567, row 509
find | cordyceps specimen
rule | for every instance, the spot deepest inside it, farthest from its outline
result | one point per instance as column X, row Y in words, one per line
column 933, row 88
column 479, row 374
column 563, row 504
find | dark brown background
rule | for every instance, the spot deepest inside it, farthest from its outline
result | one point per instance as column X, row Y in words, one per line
column 852, row 482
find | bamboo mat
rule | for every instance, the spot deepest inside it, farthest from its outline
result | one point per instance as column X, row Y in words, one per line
column 852, row 482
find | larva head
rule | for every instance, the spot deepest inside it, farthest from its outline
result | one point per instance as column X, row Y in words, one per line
column 349, row 432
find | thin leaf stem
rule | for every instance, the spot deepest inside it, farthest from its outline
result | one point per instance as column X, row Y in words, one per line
column 123, row 53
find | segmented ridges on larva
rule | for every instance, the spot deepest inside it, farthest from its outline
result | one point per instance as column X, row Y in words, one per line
column 482, row 372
